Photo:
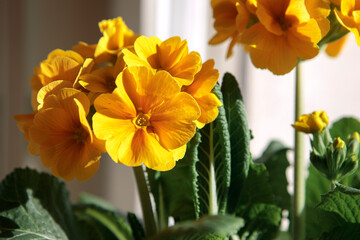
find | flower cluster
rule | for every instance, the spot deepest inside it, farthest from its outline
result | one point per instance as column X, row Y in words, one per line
column 277, row 35
column 138, row 98
column 334, row 158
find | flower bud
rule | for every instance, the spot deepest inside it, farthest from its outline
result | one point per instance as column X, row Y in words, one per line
column 309, row 123
column 353, row 146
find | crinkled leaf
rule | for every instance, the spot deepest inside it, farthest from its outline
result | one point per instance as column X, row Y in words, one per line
column 276, row 162
column 177, row 189
column 343, row 202
column 35, row 206
column 262, row 220
column 214, row 161
column 239, row 138
column 349, row 231
column 207, row 227
column 257, row 207
column 105, row 219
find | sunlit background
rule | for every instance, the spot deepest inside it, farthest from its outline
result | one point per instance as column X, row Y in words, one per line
column 30, row 29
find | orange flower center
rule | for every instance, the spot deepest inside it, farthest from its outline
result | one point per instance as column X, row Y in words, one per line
column 142, row 120
column 80, row 135
column 110, row 83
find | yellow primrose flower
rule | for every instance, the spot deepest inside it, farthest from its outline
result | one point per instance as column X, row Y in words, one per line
column 284, row 33
column 66, row 141
column 85, row 50
column 24, row 123
column 116, row 36
column 200, row 89
column 171, row 55
column 146, row 119
column 349, row 17
column 59, row 65
column 309, row 123
column 231, row 19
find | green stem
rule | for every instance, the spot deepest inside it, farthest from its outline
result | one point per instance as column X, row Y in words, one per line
column 213, row 204
column 146, row 206
column 299, row 167
column 162, row 217
column 332, row 185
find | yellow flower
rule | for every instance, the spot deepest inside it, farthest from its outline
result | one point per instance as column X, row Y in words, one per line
column 85, row 50
column 59, row 65
column 200, row 89
column 309, row 123
column 171, row 55
column 66, row 142
column 24, row 123
column 231, row 19
column 116, row 36
column 334, row 48
column 284, row 33
column 146, row 119
column 349, row 17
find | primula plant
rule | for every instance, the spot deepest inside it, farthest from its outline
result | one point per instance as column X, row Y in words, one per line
column 159, row 109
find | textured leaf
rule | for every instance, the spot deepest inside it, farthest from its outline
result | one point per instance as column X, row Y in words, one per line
column 316, row 184
column 91, row 199
column 257, row 207
column 349, row 231
column 262, row 220
column 35, row 206
column 213, row 166
column 178, row 189
column 207, row 227
column 276, row 163
column 344, row 203
column 105, row 218
column 239, row 138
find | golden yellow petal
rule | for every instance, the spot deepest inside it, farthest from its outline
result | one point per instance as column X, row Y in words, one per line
column 173, row 120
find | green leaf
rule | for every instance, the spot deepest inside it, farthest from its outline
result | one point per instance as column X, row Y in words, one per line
column 262, row 220
column 344, row 127
column 316, row 184
column 207, row 227
column 137, row 228
column 213, row 166
column 349, row 231
column 239, row 138
column 176, row 189
column 276, row 163
column 257, row 207
column 106, row 218
column 91, row 199
column 344, row 203
column 35, row 206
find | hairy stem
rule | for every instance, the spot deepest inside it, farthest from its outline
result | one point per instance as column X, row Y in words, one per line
column 213, row 204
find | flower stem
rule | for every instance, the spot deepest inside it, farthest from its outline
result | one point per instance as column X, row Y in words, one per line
column 299, row 167
column 146, row 206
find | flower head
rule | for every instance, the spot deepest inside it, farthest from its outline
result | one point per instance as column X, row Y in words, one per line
column 201, row 88
column 309, row 123
column 171, row 55
column 116, row 36
column 59, row 65
column 66, row 142
column 285, row 32
column 146, row 119
column 349, row 17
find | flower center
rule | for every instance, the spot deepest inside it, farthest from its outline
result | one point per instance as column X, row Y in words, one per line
column 80, row 135
column 142, row 120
